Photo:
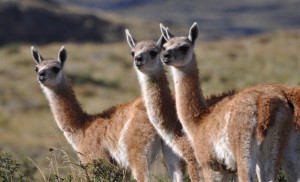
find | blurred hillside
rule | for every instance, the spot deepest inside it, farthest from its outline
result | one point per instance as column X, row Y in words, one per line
column 216, row 18
column 45, row 21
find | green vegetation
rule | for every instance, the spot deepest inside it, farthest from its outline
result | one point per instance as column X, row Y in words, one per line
column 103, row 171
column 96, row 171
column 281, row 176
column 13, row 170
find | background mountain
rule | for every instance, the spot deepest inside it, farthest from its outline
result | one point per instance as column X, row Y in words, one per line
column 44, row 21
column 216, row 18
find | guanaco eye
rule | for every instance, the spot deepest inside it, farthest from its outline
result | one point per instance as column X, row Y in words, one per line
column 184, row 49
column 132, row 53
column 55, row 69
column 36, row 69
column 153, row 54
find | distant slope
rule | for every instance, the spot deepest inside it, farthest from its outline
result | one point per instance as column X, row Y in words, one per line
column 45, row 21
column 37, row 21
column 216, row 18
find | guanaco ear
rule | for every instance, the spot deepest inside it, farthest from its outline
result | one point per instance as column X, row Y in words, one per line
column 36, row 55
column 62, row 55
column 161, row 41
column 130, row 40
column 193, row 34
column 165, row 32
column 170, row 35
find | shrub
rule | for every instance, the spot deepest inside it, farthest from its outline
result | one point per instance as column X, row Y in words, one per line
column 281, row 176
column 13, row 170
column 102, row 170
column 62, row 168
column 9, row 168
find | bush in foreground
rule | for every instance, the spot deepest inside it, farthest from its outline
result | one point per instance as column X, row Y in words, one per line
column 14, row 170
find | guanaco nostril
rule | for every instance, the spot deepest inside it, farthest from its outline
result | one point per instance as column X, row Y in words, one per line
column 139, row 58
column 167, row 55
column 139, row 61
column 42, row 73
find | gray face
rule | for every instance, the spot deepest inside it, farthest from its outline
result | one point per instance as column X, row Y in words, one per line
column 49, row 72
column 177, row 51
column 146, row 56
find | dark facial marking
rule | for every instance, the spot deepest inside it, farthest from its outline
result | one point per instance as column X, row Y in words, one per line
column 184, row 49
column 132, row 53
column 55, row 69
column 36, row 69
column 153, row 54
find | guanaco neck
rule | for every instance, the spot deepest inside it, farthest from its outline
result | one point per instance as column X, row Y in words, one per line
column 190, row 102
column 160, row 105
column 66, row 109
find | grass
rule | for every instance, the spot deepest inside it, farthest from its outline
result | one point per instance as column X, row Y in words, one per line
column 61, row 168
column 103, row 76
column 271, row 58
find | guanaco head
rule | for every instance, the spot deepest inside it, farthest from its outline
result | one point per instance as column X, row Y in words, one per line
column 178, row 51
column 49, row 71
column 146, row 54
